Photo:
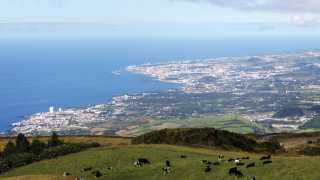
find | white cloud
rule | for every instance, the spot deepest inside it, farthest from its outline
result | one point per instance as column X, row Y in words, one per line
column 292, row 6
column 303, row 21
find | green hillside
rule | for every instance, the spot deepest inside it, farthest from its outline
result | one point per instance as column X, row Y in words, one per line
column 121, row 160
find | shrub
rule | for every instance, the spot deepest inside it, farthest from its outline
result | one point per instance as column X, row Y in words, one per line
column 22, row 143
column 66, row 149
column 37, row 146
column 9, row 149
column 54, row 140
column 310, row 151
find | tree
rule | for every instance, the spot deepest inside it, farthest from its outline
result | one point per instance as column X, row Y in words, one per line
column 22, row 143
column 9, row 149
column 37, row 146
column 54, row 140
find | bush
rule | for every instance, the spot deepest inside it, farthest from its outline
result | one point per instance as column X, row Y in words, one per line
column 24, row 153
column 310, row 151
column 66, row 149
column 22, row 143
column 37, row 146
column 9, row 149
column 54, row 140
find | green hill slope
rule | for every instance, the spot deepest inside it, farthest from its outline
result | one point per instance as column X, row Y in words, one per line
column 121, row 159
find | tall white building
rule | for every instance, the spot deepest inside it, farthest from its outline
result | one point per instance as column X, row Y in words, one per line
column 51, row 109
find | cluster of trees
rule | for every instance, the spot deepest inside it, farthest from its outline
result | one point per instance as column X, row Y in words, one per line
column 22, row 145
column 22, row 152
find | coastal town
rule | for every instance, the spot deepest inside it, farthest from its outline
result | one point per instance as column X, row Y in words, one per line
column 258, row 88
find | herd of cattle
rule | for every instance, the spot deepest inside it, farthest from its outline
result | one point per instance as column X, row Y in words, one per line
column 207, row 166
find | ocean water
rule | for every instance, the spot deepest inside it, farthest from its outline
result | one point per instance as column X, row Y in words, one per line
column 38, row 73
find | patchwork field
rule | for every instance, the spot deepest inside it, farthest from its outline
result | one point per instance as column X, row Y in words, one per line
column 230, row 122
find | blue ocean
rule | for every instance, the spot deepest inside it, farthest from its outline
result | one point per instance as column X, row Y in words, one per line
column 38, row 73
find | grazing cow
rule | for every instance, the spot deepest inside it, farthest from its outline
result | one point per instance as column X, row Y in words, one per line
column 183, row 156
column 235, row 172
column 251, row 165
column 265, row 157
column 137, row 164
column 216, row 163
column 110, row 168
column 79, row 178
column 253, row 178
column 240, row 164
column 168, row 164
column 144, row 161
column 232, row 171
column 267, row 162
column 247, row 157
column 97, row 174
column 207, row 169
column 237, row 161
column 66, row 174
column 86, row 169
column 231, row 159
column 141, row 161
column 220, row 157
column 166, row 170
column 204, row 161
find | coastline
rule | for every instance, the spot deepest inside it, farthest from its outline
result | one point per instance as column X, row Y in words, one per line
column 198, row 78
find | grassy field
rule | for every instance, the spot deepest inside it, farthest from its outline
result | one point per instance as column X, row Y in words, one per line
column 121, row 158
column 230, row 122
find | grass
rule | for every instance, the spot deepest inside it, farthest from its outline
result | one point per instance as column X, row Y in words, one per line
column 230, row 122
column 121, row 158
column 40, row 177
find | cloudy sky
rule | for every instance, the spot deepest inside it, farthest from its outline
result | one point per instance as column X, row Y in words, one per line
column 159, row 17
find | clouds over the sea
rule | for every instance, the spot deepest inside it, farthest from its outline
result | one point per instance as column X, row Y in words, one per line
column 288, row 6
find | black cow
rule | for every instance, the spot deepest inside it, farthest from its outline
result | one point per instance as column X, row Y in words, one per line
column 216, row 163
column 240, row 164
column 231, row 159
column 144, row 161
column 86, row 169
column 183, row 156
column 207, row 169
column 267, row 162
column 265, row 157
column 251, row 165
column 247, row 157
column 97, row 174
column 204, row 161
column 168, row 164
column 235, row 172
column 66, row 174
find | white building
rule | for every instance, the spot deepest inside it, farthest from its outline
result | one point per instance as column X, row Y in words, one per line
column 51, row 109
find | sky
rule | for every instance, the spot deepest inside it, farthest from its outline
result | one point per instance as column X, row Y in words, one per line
column 158, row 18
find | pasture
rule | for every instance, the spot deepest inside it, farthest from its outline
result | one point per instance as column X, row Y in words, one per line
column 121, row 159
